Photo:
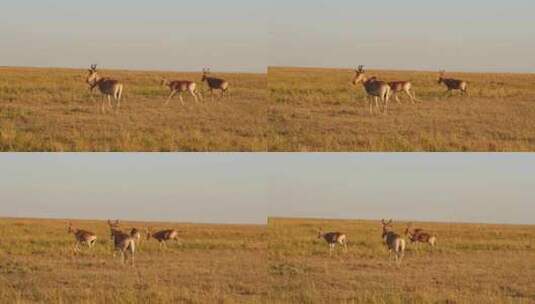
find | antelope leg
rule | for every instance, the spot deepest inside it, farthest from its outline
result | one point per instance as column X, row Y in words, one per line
column 194, row 96
column 170, row 96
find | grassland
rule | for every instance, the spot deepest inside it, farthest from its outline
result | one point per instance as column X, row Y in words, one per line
column 472, row 263
column 320, row 110
column 213, row 264
column 285, row 263
column 53, row 110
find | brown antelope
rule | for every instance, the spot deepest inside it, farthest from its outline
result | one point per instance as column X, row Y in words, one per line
column 452, row 84
column 214, row 83
column 419, row 235
column 82, row 237
column 163, row 236
column 123, row 242
column 333, row 238
column 134, row 232
column 374, row 88
column 402, row 86
column 107, row 86
column 394, row 242
column 180, row 86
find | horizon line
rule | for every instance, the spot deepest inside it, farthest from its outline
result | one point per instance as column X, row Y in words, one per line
column 82, row 219
column 399, row 220
column 398, row 70
column 127, row 69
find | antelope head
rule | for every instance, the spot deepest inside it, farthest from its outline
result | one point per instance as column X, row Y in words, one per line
column 387, row 226
column 113, row 227
column 205, row 73
column 113, row 224
column 92, row 77
column 70, row 229
column 408, row 231
column 359, row 75
column 164, row 82
column 441, row 76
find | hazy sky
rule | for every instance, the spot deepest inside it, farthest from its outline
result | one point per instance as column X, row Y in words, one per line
column 198, row 187
column 247, row 35
column 474, row 35
column 246, row 188
column 425, row 186
column 226, row 35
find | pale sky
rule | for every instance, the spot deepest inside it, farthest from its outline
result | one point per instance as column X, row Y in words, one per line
column 200, row 188
column 247, row 188
column 179, row 35
column 474, row 35
column 489, row 188
column 248, row 35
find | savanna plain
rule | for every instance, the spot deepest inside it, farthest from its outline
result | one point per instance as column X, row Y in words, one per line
column 209, row 264
column 45, row 109
column 316, row 109
column 470, row 263
column 284, row 262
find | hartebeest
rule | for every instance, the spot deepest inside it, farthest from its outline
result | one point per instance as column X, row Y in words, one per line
column 393, row 241
column 452, row 84
column 419, row 235
column 333, row 238
column 107, row 86
column 82, row 237
column 123, row 242
column 374, row 88
column 214, row 83
column 163, row 236
column 180, row 86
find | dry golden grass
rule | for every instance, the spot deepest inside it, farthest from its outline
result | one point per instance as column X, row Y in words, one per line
column 213, row 264
column 472, row 263
column 320, row 110
column 52, row 110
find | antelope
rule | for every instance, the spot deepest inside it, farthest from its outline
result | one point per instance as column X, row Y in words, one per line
column 134, row 232
column 82, row 237
column 374, row 88
column 107, row 86
column 123, row 242
column 333, row 238
column 402, row 86
column 419, row 235
column 163, row 236
column 180, row 86
column 394, row 242
column 214, row 83
column 452, row 84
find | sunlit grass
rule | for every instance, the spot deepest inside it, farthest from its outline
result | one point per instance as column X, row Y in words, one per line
column 211, row 264
column 320, row 110
column 472, row 263
column 53, row 110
